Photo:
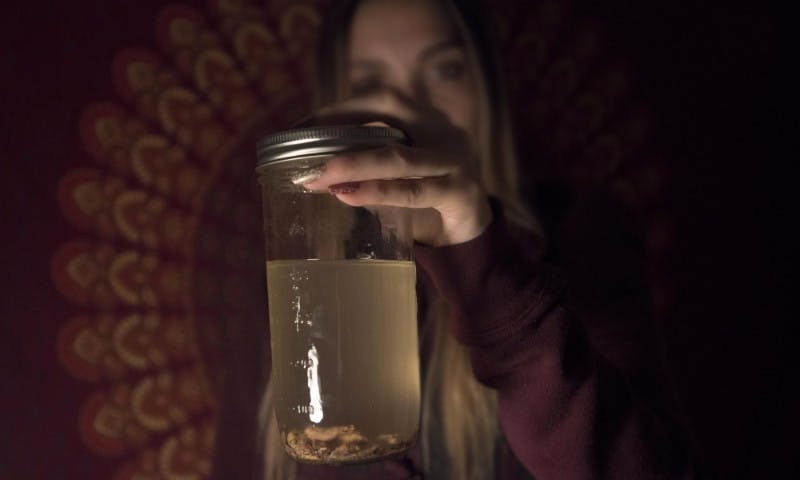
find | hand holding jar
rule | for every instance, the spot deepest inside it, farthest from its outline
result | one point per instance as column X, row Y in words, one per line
column 435, row 176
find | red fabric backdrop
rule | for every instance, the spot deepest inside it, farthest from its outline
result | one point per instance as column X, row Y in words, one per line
column 135, row 232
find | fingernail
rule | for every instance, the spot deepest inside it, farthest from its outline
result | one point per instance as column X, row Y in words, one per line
column 307, row 176
column 348, row 187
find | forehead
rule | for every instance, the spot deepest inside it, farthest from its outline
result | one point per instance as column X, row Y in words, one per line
column 405, row 24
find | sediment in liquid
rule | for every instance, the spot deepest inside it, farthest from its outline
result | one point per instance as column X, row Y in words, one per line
column 345, row 353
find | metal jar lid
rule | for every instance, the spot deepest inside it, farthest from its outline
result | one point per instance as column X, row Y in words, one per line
column 313, row 141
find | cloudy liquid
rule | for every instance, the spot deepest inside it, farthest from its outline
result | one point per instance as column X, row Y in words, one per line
column 345, row 350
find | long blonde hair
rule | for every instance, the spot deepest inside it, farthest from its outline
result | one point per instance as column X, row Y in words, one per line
column 457, row 410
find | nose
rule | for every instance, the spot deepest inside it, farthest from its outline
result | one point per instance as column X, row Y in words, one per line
column 410, row 89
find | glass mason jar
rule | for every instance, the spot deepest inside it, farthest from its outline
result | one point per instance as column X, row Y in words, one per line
column 342, row 305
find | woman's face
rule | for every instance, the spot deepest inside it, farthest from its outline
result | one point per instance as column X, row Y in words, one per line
column 414, row 48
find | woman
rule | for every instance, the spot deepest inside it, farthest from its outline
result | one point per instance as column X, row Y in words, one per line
column 516, row 385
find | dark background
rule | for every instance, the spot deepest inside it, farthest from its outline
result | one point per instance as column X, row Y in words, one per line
column 713, row 74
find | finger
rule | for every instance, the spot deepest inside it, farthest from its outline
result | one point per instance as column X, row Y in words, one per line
column 462, row 207
column 433, row 192
column 377, row 124
column 397, row 161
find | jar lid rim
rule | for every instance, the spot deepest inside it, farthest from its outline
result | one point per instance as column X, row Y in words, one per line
column 321, row 140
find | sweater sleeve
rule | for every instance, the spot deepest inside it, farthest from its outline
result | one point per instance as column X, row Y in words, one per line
column 577, row 397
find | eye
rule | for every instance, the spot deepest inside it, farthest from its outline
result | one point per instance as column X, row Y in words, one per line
column 450, row 70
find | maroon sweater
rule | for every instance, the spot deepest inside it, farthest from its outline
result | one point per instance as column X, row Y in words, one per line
column 581, row 391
